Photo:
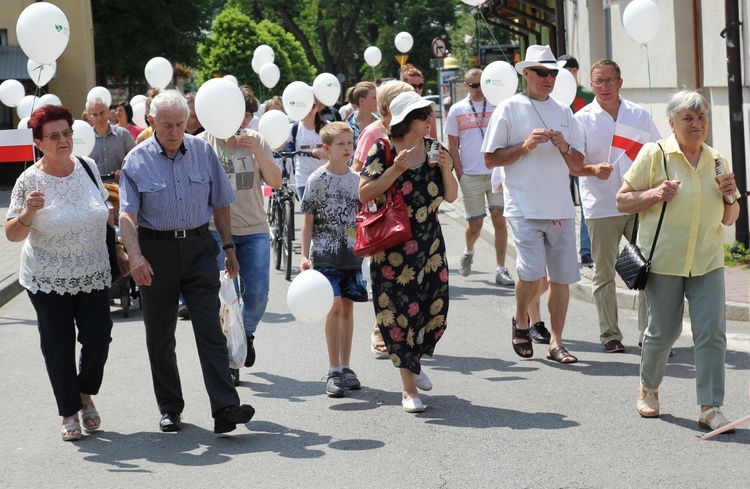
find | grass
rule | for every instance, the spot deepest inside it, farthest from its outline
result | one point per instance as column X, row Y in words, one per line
column 736, row 255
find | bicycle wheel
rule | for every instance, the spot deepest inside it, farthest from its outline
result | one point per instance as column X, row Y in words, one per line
column 286, row 236
column 276, row 233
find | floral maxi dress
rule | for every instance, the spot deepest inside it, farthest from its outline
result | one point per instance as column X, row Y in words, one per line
column 410, row 280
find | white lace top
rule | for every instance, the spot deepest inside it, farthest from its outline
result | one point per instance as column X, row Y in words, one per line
column 66, row 249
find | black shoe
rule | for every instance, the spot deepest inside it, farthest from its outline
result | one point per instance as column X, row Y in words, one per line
column 250, row 359
column 587, row 261
column 182, row 312
column 228, row 418
column 170, row 422
column 335, row 385
column 235, row 376
column 539, row 333
column 350, row 380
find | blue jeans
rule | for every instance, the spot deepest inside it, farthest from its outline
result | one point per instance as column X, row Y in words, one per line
column 584, row 237
column 254, row 256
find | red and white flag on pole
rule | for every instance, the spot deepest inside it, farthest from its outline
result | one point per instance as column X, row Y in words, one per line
column 629, row 139
column 16, row 145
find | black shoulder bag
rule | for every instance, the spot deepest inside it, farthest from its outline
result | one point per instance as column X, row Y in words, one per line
column 631, row 266
column 111, row 234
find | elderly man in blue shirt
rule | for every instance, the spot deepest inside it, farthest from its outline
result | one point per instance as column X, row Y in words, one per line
column 169, row 187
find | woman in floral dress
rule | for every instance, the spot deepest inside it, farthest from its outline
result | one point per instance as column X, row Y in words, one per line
column 410, row 280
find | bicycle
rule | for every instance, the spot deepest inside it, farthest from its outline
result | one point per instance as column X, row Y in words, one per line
column 281, row 215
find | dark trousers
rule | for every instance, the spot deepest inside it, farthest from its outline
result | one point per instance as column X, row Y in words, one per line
column 186, row 266
column 58, row 316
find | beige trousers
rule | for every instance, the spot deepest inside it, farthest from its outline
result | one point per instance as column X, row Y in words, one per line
column 605, row 233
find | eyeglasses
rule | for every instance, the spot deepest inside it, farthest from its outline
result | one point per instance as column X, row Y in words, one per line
column 545, row 73
column 607, row 81
column 417, row 86
column 423, row 114
column 67, row 134
column 473, row 85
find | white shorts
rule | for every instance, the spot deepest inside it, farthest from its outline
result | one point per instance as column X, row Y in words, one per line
column 545, row 247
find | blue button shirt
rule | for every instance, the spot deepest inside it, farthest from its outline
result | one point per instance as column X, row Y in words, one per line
column 170, row 194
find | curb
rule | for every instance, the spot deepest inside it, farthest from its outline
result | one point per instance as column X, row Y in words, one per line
column 9, row 289
column 582, row 290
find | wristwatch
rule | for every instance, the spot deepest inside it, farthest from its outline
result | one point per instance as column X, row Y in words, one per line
column 228, row 246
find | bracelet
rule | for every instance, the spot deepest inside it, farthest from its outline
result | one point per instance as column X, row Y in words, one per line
column 22, row 223
column 725, row 202
column 525, row 146
column 118, row 243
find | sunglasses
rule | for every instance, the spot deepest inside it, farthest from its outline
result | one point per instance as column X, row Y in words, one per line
column 67, row 134
column 417, row 86
column 544, row 73
column 423, row 114
column 473, row 85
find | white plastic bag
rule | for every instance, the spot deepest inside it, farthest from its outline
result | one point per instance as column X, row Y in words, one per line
column 230, row 316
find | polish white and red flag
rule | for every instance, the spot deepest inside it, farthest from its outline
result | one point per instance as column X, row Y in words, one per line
column 629, row 139
column 16, row 145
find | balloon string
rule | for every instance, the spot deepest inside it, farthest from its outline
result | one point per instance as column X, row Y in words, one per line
column 648, row 68
column 489, row 29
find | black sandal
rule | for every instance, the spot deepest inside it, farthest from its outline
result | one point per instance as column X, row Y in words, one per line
column 522, row 346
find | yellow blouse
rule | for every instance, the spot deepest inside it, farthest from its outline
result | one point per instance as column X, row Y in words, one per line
column 691, row 239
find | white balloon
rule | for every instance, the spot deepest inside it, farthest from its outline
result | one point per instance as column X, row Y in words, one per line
column 326, row 88
column 298, row 100
column 565, row 87
column 404, row 42
column 274, row 126
column 137, row 99
column 232, row 79
column 11, row 92
column 158, row 72
column 41, row 74
column 310, row 296
column 27, row 106
column 220, row 107
column 83, row 138
column 101, row 93
column 43, row 32
column 269, row 75
column 499, row 81
column 264, row 54
column 255, row 65
column 373, row 56
column 139, row 114
column 474, row 3
column 49, row 99
column 23, row 123
column 642, row 20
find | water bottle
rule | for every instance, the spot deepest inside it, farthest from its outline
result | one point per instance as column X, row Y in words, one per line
column 432, row 154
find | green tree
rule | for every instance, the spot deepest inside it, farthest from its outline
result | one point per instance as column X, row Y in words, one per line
column 229, row 50
column 469, row 23
column 128, row 34
column 335, row 33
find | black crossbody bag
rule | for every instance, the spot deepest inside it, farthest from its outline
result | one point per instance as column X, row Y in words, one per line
column 631, row 265
column 111, row 234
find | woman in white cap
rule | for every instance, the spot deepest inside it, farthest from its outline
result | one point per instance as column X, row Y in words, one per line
column 410, row 280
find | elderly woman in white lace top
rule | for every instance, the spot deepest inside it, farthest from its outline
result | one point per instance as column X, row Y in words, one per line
column 61, row 214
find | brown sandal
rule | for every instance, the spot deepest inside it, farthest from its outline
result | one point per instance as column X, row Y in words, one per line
column 561, row 355
column 522, row 346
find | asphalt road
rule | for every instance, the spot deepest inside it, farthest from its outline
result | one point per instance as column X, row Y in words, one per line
column 493, row 419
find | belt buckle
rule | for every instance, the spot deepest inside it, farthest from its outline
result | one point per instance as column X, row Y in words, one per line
column 179, row 234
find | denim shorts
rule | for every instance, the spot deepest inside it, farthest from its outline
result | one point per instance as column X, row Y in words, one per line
column 347, row 284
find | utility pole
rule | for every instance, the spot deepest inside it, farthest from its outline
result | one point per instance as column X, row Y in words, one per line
column 731, row 33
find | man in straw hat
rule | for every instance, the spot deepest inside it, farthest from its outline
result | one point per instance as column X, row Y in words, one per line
column 533, row 140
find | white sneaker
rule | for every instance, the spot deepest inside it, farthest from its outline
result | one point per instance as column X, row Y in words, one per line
column 503, row 277
column 464, row 266
column 422, row 382
column 413, row 405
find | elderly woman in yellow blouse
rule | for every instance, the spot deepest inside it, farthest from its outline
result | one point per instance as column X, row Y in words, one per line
column 689, row 260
